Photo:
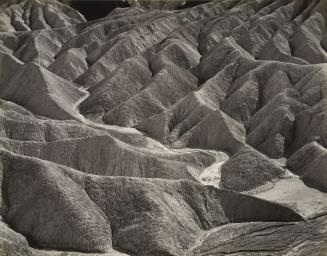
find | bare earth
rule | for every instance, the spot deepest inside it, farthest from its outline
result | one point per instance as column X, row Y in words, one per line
column 200, row 131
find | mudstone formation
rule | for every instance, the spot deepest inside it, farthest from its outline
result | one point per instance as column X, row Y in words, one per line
column 193, row 132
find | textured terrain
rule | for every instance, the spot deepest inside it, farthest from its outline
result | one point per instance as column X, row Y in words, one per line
column 200, row 131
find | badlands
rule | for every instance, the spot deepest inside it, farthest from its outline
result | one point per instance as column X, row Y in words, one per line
column 197, row 131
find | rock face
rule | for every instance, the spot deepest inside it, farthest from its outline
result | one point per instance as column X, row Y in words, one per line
column 199, row 131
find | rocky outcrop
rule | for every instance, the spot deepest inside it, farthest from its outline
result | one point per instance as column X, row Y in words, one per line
column 248, row 169
column 256, row 239
column 309, row 162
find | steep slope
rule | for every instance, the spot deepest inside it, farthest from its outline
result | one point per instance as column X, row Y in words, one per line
column 36, row 15
column 127, row 205
column 199, row 131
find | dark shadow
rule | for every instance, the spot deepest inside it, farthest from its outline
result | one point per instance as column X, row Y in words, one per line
column 97, row 8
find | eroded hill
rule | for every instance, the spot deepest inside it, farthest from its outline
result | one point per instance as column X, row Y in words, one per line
column 199, row 131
